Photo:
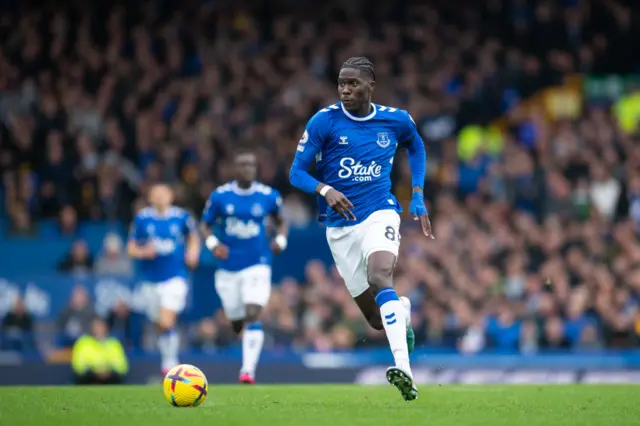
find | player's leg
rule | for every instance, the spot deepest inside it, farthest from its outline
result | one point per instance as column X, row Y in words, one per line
column 369, row 308
column 173, row 298
column 237, row 326
column 345, row 244
column 256, row 289
column 381, row 245
column 228, row 289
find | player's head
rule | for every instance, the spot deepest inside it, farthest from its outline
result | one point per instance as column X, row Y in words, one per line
column 356, row 82
column 160, row 196
column 245, row 167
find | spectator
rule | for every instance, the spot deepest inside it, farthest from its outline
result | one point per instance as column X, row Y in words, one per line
column 529, row 337
column 97, row 358
column 604, row 192
column 473, row 341
column 113, row 260
column 17, row 328
column 589, row 339
column 504, row 330
column 530, row 211
column 68, row 221
column 78, row 261
column 119, row 322
column 76, row 318
column 553, row 336
column 206, row 335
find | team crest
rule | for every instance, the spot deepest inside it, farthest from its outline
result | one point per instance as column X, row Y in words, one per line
column 383, row 140
column 229, row 209
column 151, row 229
column 174, row 229
column 257, row 210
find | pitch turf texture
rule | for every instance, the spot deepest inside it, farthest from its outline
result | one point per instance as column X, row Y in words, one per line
column 586, row 405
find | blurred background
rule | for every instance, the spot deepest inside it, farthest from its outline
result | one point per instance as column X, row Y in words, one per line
column 529, row 111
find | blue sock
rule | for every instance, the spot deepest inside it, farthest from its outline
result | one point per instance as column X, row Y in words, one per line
column 253, row 326
column 383, row 297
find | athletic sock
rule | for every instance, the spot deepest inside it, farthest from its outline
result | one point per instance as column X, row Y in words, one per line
column 252, row 341
column 169, row 345
column 394, row 320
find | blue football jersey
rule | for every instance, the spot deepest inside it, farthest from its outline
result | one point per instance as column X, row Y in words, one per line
column 168, row 233
column 238, row 218
column 355, row 156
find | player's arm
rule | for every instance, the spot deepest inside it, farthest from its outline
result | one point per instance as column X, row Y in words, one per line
column 418, row 164
column 308, row 147
column 282, row 229
column 136, row 246
column 209, row 216
column 192, row 254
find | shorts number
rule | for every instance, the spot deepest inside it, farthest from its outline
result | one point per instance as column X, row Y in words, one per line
column 390, row 233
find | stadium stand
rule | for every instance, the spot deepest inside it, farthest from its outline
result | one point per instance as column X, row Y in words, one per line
column 534, row 178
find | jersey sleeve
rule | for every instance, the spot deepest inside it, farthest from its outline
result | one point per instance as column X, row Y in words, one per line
column 137, row 232
column 408, row 129
column 210, row 212
column 276, row 203
column 415, row 147
column 309, row 145
column 190, row 227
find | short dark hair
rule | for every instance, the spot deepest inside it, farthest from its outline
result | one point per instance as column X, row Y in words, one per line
column 242, row 150
column 361, row 63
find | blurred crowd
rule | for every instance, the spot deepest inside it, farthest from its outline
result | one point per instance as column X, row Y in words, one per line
column 537, row 237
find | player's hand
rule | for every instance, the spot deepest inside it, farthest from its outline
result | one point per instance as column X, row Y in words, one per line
column 275, row 248
column 148, row 251
column 340, row 203
column 191, row 258
column 221, row 252
column 419, row 212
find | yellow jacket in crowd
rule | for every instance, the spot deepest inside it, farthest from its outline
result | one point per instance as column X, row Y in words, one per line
column 98, row 356
column 627, row 111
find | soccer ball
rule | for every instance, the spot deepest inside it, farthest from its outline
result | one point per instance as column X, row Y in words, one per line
column 185, row 386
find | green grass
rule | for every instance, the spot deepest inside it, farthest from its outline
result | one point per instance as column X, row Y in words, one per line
column 351, row 405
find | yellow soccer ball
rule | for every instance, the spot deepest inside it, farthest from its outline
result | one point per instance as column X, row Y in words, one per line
column 185, row 386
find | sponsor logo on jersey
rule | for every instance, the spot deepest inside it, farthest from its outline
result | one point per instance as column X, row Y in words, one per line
column 358, row 172
column 164, row 246
column 240, row 229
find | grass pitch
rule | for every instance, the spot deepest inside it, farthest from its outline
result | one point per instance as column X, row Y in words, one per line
column 581, row 405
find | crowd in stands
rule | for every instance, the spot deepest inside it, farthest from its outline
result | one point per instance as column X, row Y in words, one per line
column 537, row 224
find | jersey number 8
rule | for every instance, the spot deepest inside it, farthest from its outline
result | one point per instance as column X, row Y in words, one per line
column 390, row 233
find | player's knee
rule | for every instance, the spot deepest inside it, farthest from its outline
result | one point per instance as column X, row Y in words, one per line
column 166, row 320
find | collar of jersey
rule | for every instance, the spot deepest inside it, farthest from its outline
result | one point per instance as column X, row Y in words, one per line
column 156, row 213
column 355, row 117
column 240, row 191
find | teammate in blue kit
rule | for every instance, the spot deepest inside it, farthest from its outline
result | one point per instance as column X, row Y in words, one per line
column 353, row 144
column 165, row 238
column 238, row 213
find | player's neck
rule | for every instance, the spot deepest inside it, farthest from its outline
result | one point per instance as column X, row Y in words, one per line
column 244, row 185
column 364, row 110
column 161, row 209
